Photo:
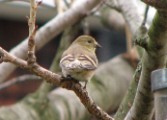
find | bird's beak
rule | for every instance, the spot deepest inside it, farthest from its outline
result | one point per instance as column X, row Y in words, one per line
column 98, row 45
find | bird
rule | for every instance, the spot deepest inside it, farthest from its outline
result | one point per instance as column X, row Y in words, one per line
column 79, row 61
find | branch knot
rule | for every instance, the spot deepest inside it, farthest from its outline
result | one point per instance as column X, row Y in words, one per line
column 142, row 37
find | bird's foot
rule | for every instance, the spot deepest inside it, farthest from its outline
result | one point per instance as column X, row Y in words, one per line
column 68, row 78
column 84, row 87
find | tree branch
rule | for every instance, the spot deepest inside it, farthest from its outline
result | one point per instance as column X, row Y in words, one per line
column 32, row 30
column 153, row 58
column 159, row 4
column 56, row 80
column 130, row 95
column 130, row 14
column 141, row 37
column 134, row 21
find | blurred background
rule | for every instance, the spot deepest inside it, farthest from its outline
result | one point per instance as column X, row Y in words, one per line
column 14, row 29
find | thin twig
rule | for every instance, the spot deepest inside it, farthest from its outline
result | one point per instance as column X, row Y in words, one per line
column 141, row 37
column 128, row 38
column 19, row 79
column 86, row 27
column 145, row 15
column 32, row 30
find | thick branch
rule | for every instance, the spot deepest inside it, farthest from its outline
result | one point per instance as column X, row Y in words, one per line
column 133, row 20
column 129, row 97
column 153, row 58
column 86, row 100
column 141, row 37
column 159, row 4
column 130, row 14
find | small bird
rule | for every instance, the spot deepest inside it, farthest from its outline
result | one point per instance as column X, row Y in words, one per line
column 79, row 61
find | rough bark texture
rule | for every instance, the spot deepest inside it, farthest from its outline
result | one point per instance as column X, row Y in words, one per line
column 133, row 19
column 130, row 13
column 153, row 58
column 159, row 4
column 128, row 100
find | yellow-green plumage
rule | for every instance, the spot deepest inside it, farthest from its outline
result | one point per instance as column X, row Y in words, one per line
column 79, row 60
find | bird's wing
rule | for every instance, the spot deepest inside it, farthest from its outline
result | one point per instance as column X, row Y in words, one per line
column 66, row 60
column 87, row 62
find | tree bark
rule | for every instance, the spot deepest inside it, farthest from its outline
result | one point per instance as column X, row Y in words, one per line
column 153, row 58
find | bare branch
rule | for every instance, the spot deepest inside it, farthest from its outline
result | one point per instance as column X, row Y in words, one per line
column 130, row 95
column 145, row 15
column 32, row 30
column 56, row 79
column 86, row 27
column 142, row 37
column 130, row 14
column 153, row 58
column 158, row 4
column 86, row 100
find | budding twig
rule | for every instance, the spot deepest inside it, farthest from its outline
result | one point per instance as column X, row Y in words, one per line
column 32, row 29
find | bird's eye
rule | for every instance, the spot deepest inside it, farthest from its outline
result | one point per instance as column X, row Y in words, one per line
column 89, row 41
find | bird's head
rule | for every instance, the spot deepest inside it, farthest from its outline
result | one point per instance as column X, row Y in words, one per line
column 88, row 42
